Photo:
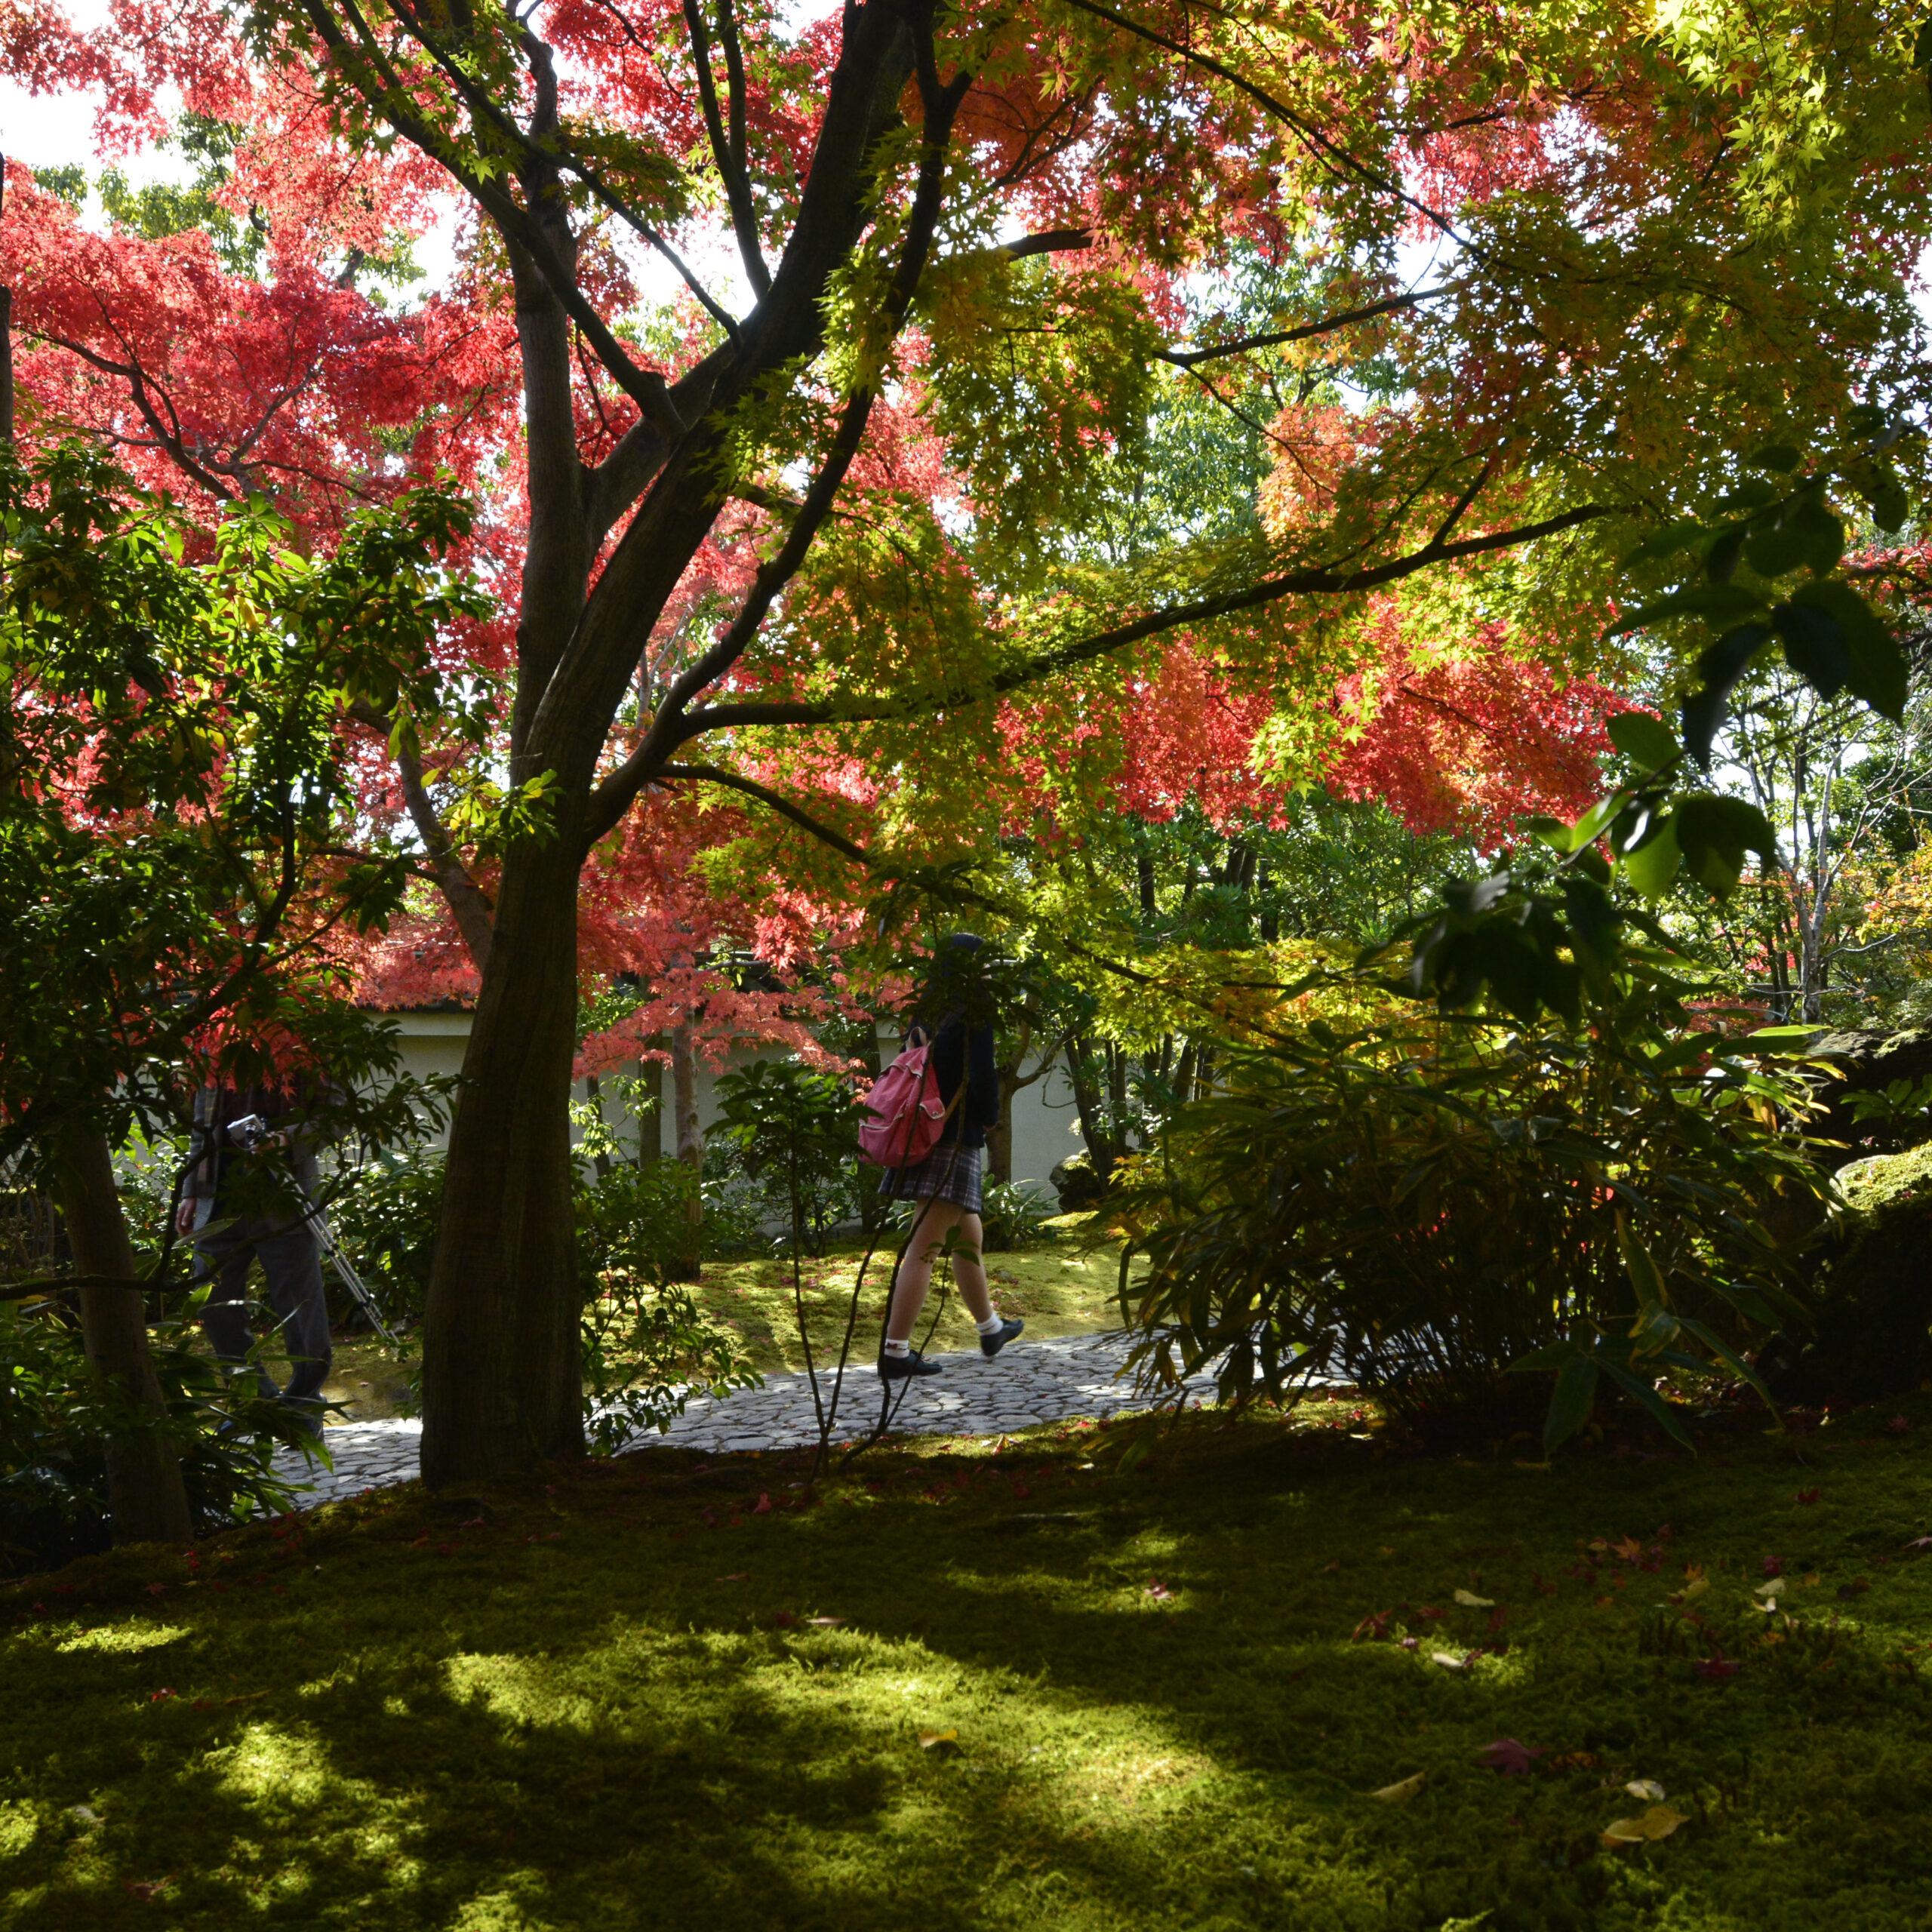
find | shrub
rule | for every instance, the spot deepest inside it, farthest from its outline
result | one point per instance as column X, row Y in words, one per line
column 1430, row 1207
column 56, row 1418
column 1015, row 1215
column 796, row 1132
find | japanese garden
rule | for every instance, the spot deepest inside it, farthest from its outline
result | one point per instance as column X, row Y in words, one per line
column 965, row 965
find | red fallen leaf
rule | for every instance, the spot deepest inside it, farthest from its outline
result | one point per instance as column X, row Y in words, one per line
column 1375, row 1624
column 446, row 1550
column 1544, row 1589
column 157, row 1589
column 204, row 1703
column 1718, row 1666
column 1899, row 1425
column 1021, row 1493
column 475, row 1523
column 554, row 1536
column 1511, row 1757
column 218, row 1585
column 159, row 1696
column 146, row 1891
column 785, row 1620
column 736, row 1523
column 763, row 1506
column 1808, row 1495
column 1774, row 1566
column 1428, row 1612
column 281, row 1589
column 1158, row 1590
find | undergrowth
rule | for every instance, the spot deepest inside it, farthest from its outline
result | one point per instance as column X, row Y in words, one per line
column 669, row 1691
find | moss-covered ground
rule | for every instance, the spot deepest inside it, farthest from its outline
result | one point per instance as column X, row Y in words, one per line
column 665, row 1692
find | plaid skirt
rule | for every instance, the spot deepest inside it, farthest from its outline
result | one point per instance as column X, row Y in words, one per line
column 950, row 1173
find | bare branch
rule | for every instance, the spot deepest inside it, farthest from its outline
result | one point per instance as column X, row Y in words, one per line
column 1190, row 358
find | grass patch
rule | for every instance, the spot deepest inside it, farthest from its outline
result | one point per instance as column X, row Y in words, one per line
column 1063, row 1289
column 640, row 1697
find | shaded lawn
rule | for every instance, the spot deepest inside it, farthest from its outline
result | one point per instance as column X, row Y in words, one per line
column 605, row 1703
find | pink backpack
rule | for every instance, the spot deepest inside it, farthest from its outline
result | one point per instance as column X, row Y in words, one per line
column 907, row 1115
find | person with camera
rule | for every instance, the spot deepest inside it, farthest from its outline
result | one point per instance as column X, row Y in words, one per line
column 248, row 1198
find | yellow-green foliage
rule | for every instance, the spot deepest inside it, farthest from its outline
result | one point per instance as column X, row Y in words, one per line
column 606, row 1703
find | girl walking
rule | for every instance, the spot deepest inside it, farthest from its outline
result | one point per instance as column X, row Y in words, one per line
column 947, row 1185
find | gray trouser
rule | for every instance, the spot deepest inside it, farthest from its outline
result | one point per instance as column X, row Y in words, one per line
column 292, row 1263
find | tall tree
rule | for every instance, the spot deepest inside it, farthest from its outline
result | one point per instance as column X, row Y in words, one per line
column 963, row 248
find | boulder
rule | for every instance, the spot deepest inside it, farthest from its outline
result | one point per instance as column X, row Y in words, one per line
column 1873, row 1286
column 1076, row 1183
column 1871, row 1062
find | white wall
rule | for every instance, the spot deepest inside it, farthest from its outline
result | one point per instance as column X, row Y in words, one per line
column 1045, row 1127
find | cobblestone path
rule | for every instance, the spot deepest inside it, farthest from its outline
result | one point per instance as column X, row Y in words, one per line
column 1032, row 1382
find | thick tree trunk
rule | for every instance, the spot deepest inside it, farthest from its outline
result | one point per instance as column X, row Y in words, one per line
column 503, row 1383
column 145, row 1491
column 689, row 1141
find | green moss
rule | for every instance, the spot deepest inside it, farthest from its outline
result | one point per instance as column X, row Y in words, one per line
column 605, row 1703
column 1885, row 1185
column 1061, row 1290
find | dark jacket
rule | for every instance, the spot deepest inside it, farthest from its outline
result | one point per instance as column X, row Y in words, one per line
column 956, row 1051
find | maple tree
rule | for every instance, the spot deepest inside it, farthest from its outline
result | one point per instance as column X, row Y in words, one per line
column 833, row 343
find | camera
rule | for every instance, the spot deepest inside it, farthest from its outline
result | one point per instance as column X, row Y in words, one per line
column 248, row 1134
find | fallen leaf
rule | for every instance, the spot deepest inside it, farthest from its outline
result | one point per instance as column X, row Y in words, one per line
column 1693, row 1589
column 1645, row 1788
column 1400, row 1794
column 1513, row 1759
column 826, row 1623
column 1775, row 1587
column 785, row 1620
column 1654, row 1822
column 763, row 1506
column 1718, row 1666
column 1920, row 1543
column 1448, row 1662
column 737, row 1577
column 944, row 1741
column 1470, row 1601
column 1808, row 1495
column 1575, row 1760
column 1629, row 1548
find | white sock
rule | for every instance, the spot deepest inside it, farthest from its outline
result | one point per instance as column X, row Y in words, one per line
column 899, row 1351
column 992, row 1325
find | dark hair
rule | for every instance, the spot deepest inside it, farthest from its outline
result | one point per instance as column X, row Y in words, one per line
column 955, row 970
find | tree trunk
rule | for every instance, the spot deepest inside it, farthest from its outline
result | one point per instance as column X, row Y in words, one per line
column 593, row 1092
column 145, row 1491
column 650, row 1111
column 1101, row 1149
column 502, row 1383
column 689, row 1141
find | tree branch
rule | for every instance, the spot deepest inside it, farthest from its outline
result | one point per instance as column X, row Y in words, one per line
column 612, row 798
column 728, row 150
column 1190, row 358
column 1312, row 137
column 469, row 905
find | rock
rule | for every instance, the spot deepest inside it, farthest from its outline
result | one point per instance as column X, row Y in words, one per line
column 1874, row 1288
column 1871, row 1062
column 1076, row 1183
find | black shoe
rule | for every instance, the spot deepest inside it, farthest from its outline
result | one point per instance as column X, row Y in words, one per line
column 990, row 1345
column 897, row 1368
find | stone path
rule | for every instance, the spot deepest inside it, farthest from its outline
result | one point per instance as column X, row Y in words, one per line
column 1032, row 1382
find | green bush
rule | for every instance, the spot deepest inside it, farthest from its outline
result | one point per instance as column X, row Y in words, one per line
column 1429, row 1207
column 56, row 1418
column 795, row 1132
column 1015, row 1215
